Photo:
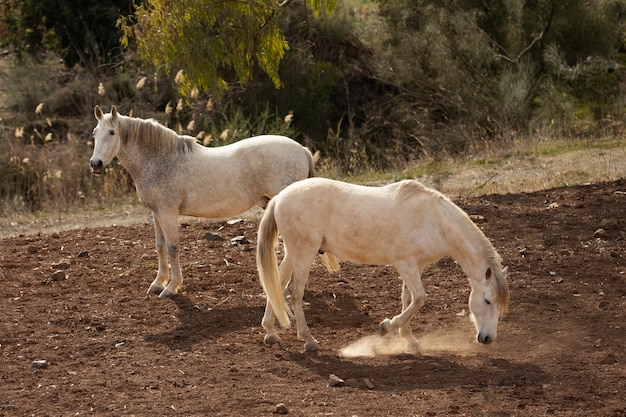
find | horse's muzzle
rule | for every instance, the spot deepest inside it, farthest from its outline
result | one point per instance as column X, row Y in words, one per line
column 96, row 166
column 484, row 339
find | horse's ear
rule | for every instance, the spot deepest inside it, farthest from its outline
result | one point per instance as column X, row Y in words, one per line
column 97, row 111
column 505, row 270
column 113, row 112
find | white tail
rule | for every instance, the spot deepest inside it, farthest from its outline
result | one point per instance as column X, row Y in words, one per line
column 267, row 265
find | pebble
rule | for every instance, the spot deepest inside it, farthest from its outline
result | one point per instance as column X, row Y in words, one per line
column 61, row 265
column 40, row 364
column 608, row 223
column 58, row 275
column 213, row 237
column 335, row 381
column 281, row 408
column 599, row 233
column 239, row 240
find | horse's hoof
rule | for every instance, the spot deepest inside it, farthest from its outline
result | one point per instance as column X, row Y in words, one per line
column 414, row 347
column 271, row 339
column 155, row 290
column 385, row 327
column 167, row 294
column 312, row 346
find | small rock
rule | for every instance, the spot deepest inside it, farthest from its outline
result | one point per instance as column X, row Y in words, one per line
column 477, row 218
column 83, row 254
column 40, row 364
column 368, row 383
column 351, row 383
column 234, row 221
column 58, row 276
column 558, row 280
column 608, row 223
column 61, row 265
column 32, row 249
column 239, row 240
column 335, row 381
column 281, row 408
column 599, row 233
column 213, row 237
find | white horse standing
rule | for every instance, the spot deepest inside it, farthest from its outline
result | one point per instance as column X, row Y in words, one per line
column 403, row 224
column 174, row 176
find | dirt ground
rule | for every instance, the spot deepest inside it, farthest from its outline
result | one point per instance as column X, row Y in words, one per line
column 109, row 349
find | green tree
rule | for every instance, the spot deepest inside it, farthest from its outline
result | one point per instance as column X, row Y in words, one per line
column 210, row 43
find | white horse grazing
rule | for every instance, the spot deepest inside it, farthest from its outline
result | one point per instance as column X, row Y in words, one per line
column 176, row 176
column 403, row 224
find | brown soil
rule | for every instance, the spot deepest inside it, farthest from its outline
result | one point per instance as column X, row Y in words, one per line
column 112, row 350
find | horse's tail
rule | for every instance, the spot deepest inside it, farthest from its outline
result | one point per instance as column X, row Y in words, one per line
column 331, row 262
column 267, row 265
column 312, row 159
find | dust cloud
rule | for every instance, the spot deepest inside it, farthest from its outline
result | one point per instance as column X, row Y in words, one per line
column 457, row 342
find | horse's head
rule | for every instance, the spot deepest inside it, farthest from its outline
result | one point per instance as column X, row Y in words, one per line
column 106, row 139
column 488, row 300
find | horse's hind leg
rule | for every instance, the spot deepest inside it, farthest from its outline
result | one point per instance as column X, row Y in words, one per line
column 163, row 273
column 269, row 318
column 298, row 281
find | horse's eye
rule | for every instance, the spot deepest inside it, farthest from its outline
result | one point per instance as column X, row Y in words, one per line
column 488, row 302
column 111, row 132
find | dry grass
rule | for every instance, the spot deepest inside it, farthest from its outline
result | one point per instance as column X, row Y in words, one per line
column 527, row 168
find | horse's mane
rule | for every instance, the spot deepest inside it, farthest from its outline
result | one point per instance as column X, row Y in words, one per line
column 149, row 132
column 409, row 188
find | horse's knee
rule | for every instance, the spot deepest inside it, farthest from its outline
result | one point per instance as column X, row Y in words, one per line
column 172, row 250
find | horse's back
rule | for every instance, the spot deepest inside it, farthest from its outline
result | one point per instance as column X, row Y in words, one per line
column 360, row 223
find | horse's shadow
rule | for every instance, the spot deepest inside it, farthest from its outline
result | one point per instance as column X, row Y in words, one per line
column 198, row 323
column 408, row 372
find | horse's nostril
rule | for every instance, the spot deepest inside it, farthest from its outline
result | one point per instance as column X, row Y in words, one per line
column 484, row 339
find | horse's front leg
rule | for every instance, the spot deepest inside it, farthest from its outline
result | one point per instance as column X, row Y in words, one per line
column 413, row 298
column 169, row 227
column 163, row 272
column 405, row 331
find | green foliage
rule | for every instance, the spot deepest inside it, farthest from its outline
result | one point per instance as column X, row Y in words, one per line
column 479, row 69
column 212, row 42
column 209, row 43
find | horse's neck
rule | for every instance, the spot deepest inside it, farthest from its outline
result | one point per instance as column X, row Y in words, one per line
column 473, row 252
column 134, row 154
